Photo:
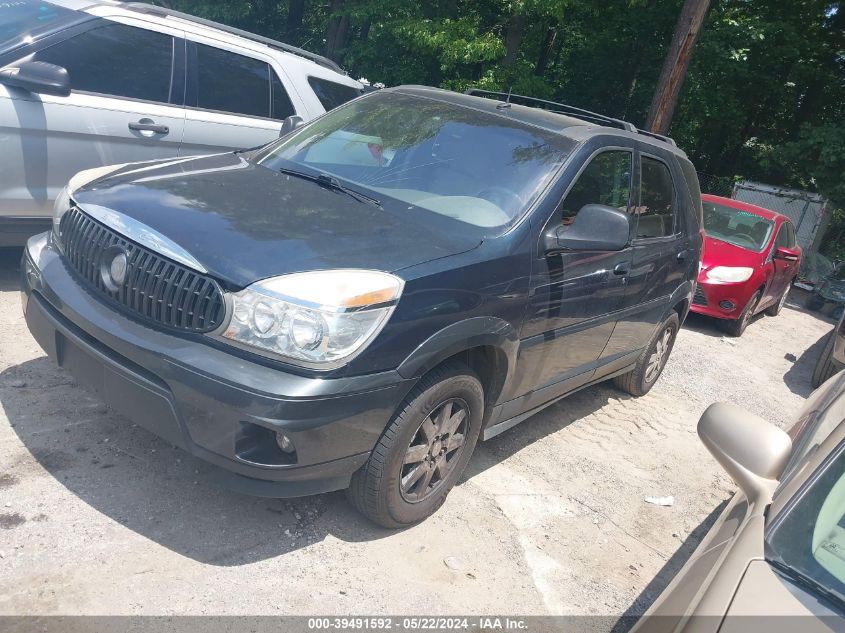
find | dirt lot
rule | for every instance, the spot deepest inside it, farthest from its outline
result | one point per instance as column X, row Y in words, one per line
column 100, row 517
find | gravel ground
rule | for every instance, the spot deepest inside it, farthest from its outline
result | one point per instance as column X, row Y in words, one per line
column 98, row 516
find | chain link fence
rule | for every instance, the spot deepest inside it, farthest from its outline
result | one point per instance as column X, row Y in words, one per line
column 716, row 185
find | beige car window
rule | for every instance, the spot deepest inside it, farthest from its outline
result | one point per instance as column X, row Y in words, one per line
column 828, row 535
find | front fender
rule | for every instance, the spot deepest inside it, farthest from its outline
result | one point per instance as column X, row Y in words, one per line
column 466, row 335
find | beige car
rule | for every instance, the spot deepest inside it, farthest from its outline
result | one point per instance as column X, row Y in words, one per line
column 778, row 549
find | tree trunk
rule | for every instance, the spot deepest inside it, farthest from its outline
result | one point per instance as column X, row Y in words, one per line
column 365, row 29
column 675, row 65
column 545, row 51
column 513, row 38
column 337, row 31
column 296, row 9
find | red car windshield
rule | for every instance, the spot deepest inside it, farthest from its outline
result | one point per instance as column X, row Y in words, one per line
column 737, row 227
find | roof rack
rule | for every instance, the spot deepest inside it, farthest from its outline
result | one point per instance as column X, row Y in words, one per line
column 659, row 137
column 151, row 9
column 562, row 108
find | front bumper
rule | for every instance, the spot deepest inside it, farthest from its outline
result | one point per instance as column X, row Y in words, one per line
column 721, row 300
column 220, row 407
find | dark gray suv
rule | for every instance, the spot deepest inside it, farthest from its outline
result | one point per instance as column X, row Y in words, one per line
column 356, row 304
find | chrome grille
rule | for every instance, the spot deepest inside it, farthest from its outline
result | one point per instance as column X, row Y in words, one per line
column 699, row 299
column 155, row 289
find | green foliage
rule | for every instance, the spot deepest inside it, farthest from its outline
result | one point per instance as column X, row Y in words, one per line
column 764, row 97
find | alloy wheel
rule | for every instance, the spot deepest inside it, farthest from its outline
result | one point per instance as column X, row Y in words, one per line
column 659, row 356
column 749, row 311
column 434, row 450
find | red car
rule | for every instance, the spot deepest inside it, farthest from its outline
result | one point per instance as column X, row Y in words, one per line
column 749, row 261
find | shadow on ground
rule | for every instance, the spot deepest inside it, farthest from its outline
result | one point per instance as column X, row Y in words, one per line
column 667, row 572
column 166, row 495
column 140, row 481
column 546, row 422
column 798, row 377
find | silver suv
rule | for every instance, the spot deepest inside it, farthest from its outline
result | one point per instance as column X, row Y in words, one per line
column 85, row 84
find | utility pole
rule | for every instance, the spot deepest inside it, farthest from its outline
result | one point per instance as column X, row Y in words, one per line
column 675, row 65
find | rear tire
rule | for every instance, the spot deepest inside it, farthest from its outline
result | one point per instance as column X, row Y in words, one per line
column 735, row 327
column 775, row 308
column 826, row 365
column 651, row 362
column 410, row 472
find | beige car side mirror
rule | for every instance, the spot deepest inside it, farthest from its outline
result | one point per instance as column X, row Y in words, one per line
column 753, row 451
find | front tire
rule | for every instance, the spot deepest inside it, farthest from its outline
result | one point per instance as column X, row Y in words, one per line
column 826, row 365
column 423, row 451
column 736, row 327
column 651, row 362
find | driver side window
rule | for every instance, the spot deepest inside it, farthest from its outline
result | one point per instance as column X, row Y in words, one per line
column 782, row 240
column 606, row 180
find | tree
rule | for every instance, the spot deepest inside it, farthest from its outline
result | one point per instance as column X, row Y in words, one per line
column 763, row 96
column 675, row 67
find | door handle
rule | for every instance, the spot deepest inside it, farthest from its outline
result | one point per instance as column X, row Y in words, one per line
column 148, row 125
column 682, row 255
column 620, row 269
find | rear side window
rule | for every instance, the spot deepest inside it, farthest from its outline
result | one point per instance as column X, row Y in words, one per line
column 332, row 94
column 282, row 107
column 116, row 60
column 657, row 193
column 228, row 82
column 234, row 83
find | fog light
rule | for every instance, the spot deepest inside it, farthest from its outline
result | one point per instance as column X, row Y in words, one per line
column 284, row 443
column 727, row 305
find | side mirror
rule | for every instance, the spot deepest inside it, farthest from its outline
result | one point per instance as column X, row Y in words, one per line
column 752, row 451
column 290, row 124
column 596, row 228
column 786, row 254
column 37, row 77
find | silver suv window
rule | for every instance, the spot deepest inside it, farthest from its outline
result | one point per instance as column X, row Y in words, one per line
column 117, row 60
column 332, row 94
column 228, row 82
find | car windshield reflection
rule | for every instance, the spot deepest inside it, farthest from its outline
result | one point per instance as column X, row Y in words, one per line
column 479, row 168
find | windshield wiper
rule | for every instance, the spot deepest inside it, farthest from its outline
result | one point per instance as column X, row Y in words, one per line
column 330, row 182
column 808, row 582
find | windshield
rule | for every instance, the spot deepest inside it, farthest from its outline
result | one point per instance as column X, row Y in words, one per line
column 808, row 543
column 21, row 19
column 424, row 155
column 737, row 227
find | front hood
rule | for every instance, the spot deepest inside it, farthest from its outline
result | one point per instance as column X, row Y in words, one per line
column 244, row 222
column 719, row 253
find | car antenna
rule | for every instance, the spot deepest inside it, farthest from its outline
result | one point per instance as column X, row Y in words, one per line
column 507, row 103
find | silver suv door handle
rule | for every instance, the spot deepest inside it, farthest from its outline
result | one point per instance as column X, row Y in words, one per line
column 148, row 125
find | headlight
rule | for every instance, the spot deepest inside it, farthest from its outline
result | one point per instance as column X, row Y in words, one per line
column 729, row 273
column 320, row 319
